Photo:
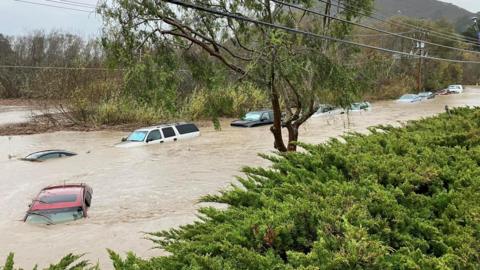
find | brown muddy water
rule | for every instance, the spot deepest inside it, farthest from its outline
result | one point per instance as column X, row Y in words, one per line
column 148, row 188
column 15, row 114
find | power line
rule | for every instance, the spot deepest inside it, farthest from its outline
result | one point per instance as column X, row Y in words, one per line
column 459, row 36
column 71, row 3
column 446, row 36
column 297, row 31
column 57, row 68
column 370, row 27
column 55, row 6
column 79, row 3
column 381, row 35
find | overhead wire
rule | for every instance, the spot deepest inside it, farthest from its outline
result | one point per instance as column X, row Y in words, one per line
column 371, row 28
column 306, row 33
column 71, row 3
column 384, row 19
column 55, row 6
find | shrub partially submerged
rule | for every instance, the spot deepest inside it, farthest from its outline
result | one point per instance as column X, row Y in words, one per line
column 404, row 198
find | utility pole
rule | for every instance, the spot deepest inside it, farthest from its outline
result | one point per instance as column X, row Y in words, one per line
column 477, row 28
column 421, row 52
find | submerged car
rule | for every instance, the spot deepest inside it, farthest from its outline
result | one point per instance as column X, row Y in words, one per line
column 426, row 95
column 360, row 106
column 59, row 204
column 254, row 119
column 160, row 134
column 409, row 98
column 325, row 109
column 48, row 154
column 354, row 107
column 455, row 88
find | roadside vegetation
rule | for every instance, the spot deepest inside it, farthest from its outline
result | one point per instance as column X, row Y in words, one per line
column 138, row 75
column 398, row 198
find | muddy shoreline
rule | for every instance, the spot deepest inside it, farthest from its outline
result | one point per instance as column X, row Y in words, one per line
column 38, row 127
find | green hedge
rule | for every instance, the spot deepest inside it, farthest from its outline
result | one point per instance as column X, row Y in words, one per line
column 406, row 198
column 400, row 198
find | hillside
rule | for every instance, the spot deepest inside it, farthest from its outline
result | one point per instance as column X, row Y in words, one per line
column 429, row 9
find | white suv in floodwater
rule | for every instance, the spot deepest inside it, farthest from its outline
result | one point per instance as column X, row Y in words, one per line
column 455, row 88
column 160, row 134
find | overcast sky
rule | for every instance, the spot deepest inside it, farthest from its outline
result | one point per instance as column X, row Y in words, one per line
column 21, row 17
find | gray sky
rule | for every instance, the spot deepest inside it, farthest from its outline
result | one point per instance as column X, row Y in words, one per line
column 20, row 17
column 470, row 5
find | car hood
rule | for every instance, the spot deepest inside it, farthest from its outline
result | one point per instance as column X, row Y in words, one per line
column 243, row 122
column 128, row 144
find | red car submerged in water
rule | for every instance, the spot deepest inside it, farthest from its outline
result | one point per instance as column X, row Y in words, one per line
column 60, row 203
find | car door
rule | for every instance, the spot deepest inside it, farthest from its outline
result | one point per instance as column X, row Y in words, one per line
column 154, row 136
column 265, row 118
column 169, row 134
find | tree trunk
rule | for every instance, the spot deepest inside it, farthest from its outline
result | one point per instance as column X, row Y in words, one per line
column 292, row 137
column 276, row 129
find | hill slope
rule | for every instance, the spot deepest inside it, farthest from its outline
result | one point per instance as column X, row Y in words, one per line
column 428, row 9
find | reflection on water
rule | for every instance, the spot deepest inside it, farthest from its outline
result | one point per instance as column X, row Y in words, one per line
column 148, row 188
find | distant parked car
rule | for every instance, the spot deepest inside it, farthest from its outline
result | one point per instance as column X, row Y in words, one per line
column 60, row 203
column 254, row 119
column 48, row 154
column 360, row 106
column 455, row 88
column 426, row 95
column 443, row 92
column 409, row 98
column 325, row 110
column 160, row 134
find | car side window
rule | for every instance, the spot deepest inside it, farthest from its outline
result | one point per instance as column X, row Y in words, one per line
column 48, row 156
column 270, row 114
column 168, row 132
column 154, row 135
column 265, row 116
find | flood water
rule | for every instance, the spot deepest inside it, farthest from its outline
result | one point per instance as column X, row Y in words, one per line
column 15, row 114
column 148, row 188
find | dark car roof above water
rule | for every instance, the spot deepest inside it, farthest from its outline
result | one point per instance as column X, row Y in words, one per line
column 38, row 154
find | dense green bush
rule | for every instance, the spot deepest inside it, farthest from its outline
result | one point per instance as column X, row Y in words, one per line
column 399, row 198
column 406, row 198
column 230, row 101
column 69, row 262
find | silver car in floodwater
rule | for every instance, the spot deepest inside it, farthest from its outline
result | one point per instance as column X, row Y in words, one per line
column 409, row 98
column 160, row 134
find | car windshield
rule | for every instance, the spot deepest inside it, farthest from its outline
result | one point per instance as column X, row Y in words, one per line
column 35, row 155
column 406, row 97
column 137, row 136
column 54, row 216
column 252, row 116
column 357, row 106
